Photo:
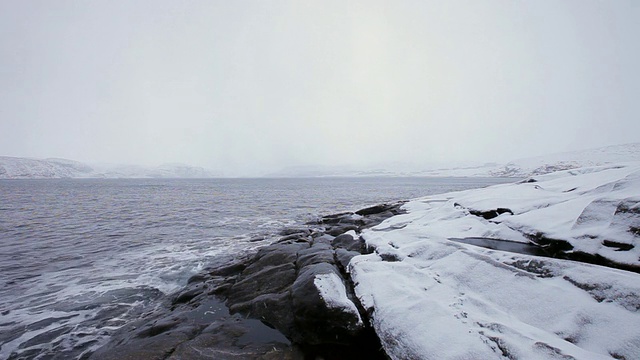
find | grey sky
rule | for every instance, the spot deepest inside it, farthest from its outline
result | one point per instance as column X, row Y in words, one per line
column 256, row 85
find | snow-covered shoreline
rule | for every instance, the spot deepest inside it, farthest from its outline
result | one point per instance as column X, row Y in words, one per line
column 434, row 298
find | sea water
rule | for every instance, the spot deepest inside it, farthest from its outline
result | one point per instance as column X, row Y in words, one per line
column 81, row 258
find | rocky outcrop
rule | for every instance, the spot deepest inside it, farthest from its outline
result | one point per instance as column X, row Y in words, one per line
column 300, row 285
column 293, row 299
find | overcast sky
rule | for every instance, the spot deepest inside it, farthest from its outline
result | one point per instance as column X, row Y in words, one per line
column 253, row 86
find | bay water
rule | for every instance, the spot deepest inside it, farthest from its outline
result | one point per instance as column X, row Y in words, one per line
column 80, row 258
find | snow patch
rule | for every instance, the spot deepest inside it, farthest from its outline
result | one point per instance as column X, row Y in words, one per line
column 334, row 294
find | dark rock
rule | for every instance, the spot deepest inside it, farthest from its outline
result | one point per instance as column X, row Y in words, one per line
column 618, row 245
column 295, row 230
column 157, row 347
column 273, row 308
column 228, row 270
column 324, row 239
column 346, row 241
column 341, row 229
column 390, row 257
column 270, row 280
column 223, row 341
column 343, row 258
column 273, row 286
column 294, row 238
column 336, row 218
column 376, row 209
column 318, row 253
column 257, row 238
column 197, row 278
column 598, row 260
column 316, row 323
column 45, row 337
column 628, row 207
column 490, row 214
column 187, row 295
column 158, row 328
column 275, row 254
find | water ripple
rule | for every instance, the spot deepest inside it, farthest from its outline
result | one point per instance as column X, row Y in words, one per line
column 81, row 258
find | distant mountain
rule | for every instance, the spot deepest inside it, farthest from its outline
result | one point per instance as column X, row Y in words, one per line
column 518, row 168
column 25, row 168
column 569, row 160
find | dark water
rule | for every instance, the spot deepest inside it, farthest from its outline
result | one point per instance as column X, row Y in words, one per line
column 80, row 258
column 504, row 245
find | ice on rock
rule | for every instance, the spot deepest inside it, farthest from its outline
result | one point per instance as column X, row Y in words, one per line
column 334, row 294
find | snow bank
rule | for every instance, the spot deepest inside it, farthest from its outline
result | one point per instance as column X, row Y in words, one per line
column 435, row 298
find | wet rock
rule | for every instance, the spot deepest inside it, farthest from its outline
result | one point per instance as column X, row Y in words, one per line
column 347, row 242
column 270, row 280
column 376, row 209
column 187, row 295
column 318, row 253
column 275, row 286
column 344, row 256
column 316, row 322
column 197, row 278
column 295, row 230
column 153, row 346
column 224, row 341
column 617, row 245
column 272, row 308
column 294, row 238
column 324, row 239
column 158, row 328
column 276, row 254
column 339, row 230
column 490, row 214
column 234, row 268
column 336, row 218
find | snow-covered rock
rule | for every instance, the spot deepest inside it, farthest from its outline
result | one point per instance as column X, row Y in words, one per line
column 334, row 294
column 433, row 298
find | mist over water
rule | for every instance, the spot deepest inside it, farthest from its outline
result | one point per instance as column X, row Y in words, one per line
column 81, row 258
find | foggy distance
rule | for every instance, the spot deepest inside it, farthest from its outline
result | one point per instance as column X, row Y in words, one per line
column 249, row 88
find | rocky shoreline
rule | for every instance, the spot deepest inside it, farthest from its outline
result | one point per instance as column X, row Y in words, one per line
column 293, row 299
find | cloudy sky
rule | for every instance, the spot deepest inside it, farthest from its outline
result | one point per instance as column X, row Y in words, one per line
column 254, row 86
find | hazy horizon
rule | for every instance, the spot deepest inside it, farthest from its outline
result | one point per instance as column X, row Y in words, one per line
column 252, row 87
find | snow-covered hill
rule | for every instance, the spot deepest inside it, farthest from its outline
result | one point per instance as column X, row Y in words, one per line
column 569, row 160
column 518, row 168
column 25, row 168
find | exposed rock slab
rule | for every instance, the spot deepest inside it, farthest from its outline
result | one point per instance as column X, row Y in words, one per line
column 292, row 299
